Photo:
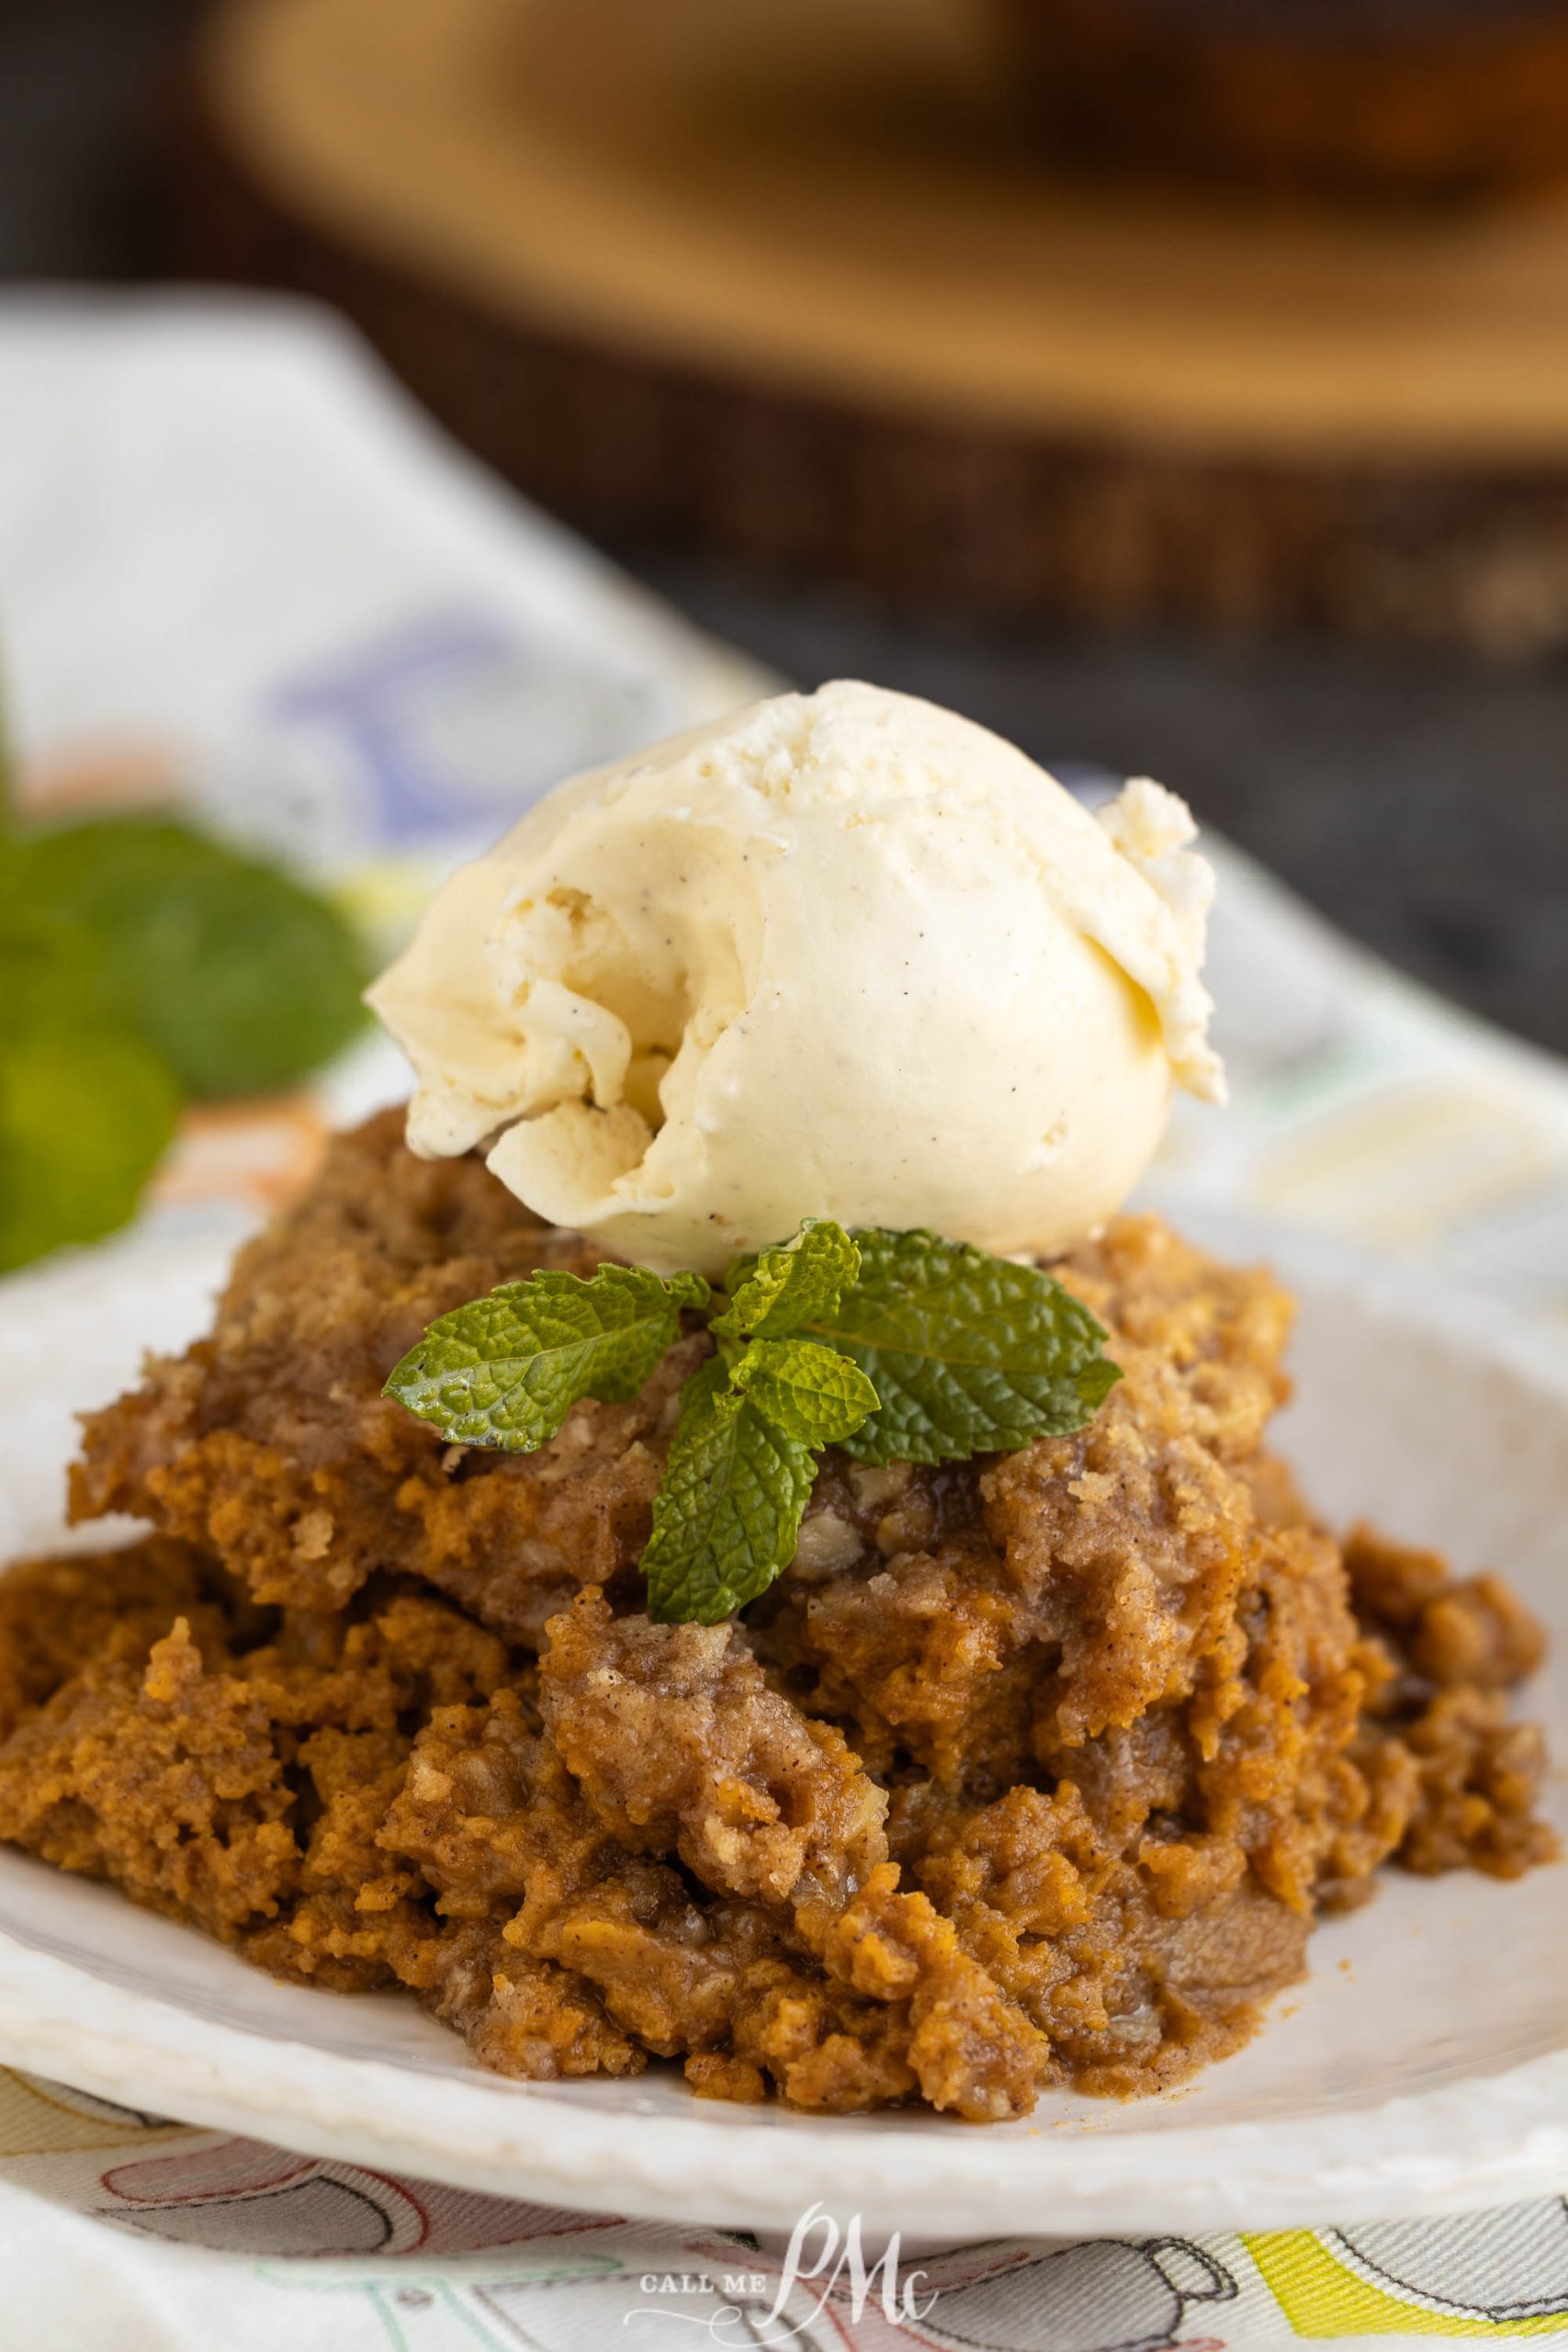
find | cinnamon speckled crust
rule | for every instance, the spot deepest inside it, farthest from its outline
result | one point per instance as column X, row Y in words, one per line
column 1455, row 1649
column 679, row 1745
column 56, row 1612
column 1034, row 1769
column 162, row 1776
column 271, row 1444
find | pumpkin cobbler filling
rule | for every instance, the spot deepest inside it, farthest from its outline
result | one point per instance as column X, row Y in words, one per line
column 1031, row 1770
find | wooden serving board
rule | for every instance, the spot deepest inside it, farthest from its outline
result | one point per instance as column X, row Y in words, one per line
column 788, row 277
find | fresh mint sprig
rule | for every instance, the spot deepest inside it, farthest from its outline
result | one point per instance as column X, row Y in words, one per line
column 898, row 1347
column 805, row 1390
column 729, row 1506
column 743, row 1462
column 506, row 1370
column 968, row 1354
column 796, row 1283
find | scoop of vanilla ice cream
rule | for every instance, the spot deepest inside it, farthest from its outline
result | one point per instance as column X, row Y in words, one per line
column 839, row 955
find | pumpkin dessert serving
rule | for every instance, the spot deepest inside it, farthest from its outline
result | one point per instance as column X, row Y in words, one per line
column 851, row 1663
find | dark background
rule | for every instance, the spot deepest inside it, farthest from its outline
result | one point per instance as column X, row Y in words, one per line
column 1421, row 800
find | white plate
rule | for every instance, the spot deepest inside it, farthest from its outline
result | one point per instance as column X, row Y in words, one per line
column 1422, row 2068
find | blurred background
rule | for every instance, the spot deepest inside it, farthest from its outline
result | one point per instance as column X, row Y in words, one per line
column 1173, row 385
column 1419, row 796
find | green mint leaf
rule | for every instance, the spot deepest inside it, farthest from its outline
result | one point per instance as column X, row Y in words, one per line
column 811, row 1393
column 782, row 1289
column 728, row 1511
column 968, row 1354
column 240, row 978
column 86, row 1112
column 506, row 1371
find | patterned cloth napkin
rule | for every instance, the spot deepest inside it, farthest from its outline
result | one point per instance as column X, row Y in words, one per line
column 120, row 2230
column 238, row 566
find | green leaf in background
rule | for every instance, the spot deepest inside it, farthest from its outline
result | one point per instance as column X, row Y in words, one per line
column 808, row 1391
column 781, row 1289
column 968, row 1354
column 728, row 1511
column 87, row 1110
column 48, row 966
column 243, row 980
column 505, row 1370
